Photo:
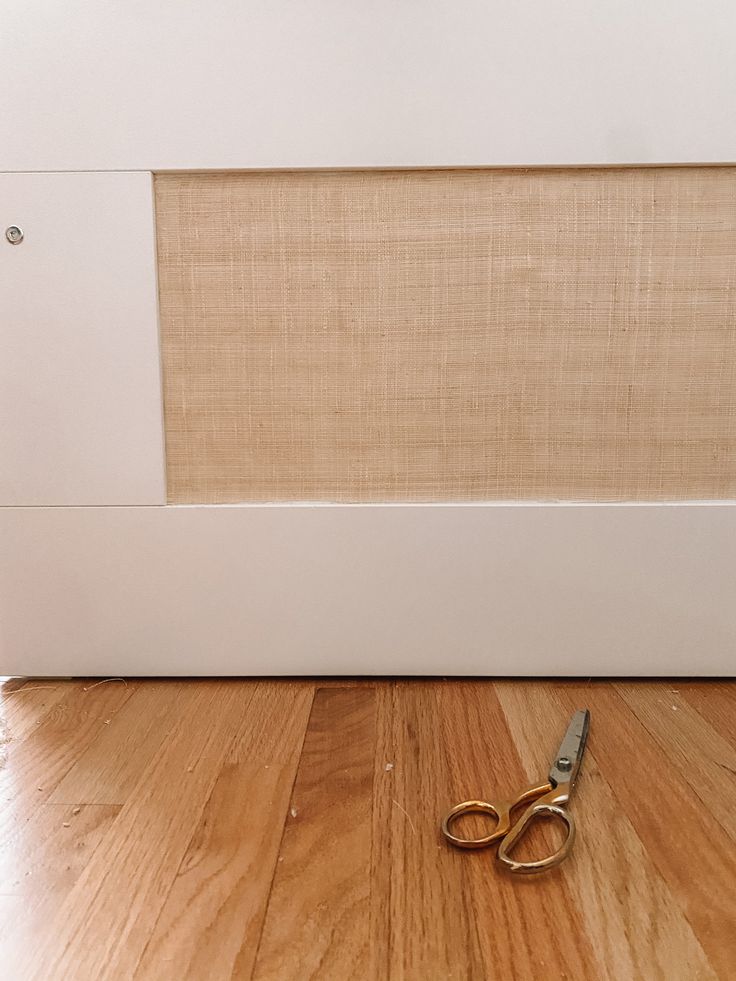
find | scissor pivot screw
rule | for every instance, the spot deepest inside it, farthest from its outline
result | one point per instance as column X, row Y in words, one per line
column 564, row 763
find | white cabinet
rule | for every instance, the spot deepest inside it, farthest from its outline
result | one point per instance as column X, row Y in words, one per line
column 97, row 574
column 80, row 390
column 397, row 589
column 344, row 83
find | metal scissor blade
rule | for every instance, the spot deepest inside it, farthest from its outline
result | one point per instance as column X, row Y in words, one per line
column 567, row 762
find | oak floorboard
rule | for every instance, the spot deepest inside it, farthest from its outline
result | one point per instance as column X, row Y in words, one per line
column 121, row 892
column 715, row 701
column 23, row 711
column 692, row 853
column 704, row 760
column 64, row 732
column 111, row 766
column 211, row 921
column 316, row 923
column 630, row 917
column 38, row 869
column 203, row 871
column 422, row 918
column 524, row 924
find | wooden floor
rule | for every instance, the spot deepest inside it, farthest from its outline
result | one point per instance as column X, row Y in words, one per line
column 289, row 830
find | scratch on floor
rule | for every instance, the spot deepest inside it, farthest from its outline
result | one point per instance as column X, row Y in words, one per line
column 4, row 740
column 22, row 691
column 403, row 811
column 104, row 681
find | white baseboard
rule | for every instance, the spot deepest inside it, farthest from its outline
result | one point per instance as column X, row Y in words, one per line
column 491, row 589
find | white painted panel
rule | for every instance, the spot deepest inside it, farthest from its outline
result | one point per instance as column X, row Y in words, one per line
column 80, row 388
column 404, row 589
column 284, row 83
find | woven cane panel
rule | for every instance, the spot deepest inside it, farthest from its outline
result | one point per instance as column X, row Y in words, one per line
column 449, row 335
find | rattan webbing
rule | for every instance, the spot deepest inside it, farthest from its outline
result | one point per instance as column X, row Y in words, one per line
column 449, row 335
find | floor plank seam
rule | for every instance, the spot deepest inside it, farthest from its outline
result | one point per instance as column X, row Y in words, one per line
column 283, row 831
column 695, row 787
column 655, row 865
column 187, row 843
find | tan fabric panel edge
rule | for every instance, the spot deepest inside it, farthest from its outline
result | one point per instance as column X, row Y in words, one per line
column 563, row 334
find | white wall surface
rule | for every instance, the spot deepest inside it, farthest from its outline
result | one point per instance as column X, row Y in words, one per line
column 345, row 83
column 396, row 589
column 80, row 388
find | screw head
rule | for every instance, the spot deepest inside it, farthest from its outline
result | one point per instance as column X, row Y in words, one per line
column 564, row 763
column 14, row 234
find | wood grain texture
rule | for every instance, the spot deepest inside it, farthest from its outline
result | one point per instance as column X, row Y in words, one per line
column 21, row 714
column 685, row 842
column 317, row 920
column 39, row 865
column 222, row 884
column 413, row 875
column 705, row 761
column 644, row 933
column 282, row 829
column 153, row 828
column 520, row 931
column 46, row 752
column 111, row 766
column 449, row 335
column 714, row 703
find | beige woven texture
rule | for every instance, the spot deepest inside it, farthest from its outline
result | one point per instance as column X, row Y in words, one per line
column 449, row 335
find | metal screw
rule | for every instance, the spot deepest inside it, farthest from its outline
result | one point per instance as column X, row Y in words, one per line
column 564, row 763
column 14, row 234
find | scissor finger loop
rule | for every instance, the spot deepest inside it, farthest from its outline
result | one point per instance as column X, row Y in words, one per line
column 500, row 812
column 517, row 832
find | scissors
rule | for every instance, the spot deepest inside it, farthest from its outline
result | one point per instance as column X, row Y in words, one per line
column 547, row 799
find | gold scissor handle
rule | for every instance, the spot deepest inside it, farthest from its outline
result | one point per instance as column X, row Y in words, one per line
column 544, row 806
column 500, row 811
